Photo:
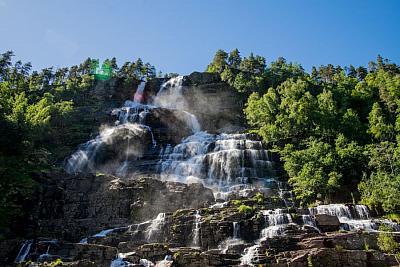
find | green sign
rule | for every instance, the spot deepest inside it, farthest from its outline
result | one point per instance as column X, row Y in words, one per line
column 102, row 73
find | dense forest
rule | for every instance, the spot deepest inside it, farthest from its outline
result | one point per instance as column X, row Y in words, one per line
column 337, row 129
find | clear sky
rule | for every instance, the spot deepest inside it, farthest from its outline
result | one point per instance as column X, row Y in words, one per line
column 183, row 35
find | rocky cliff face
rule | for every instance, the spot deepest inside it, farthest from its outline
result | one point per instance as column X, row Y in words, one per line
column 78, row 206
column 217, row 106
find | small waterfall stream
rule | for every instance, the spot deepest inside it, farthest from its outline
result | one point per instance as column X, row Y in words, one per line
column 24, row 251
column 196, row 229
column 156, row 226
column 236, row 230
column 138, row 97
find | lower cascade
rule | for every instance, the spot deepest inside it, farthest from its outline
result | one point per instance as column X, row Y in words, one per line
column 184, row 196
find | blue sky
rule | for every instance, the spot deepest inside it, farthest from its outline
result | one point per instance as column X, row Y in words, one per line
column 183, row 35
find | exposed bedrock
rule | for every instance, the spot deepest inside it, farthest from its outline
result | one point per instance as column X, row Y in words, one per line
column 78, row 206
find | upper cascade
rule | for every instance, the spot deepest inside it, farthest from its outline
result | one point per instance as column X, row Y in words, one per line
column 132, row 118
column 170, row 95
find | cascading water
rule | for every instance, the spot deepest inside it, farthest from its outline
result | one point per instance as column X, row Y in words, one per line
column 355, row 217
column 218, row 161
column 236, row 230
column 196, row 229
column 170, row 95
column 87, row 157
column 131, row 117
column 138, row 97
column 251, row 255
column 120, row 262
column 277, row 221
column 155, row 226
column 362, row 211
column 24, row 251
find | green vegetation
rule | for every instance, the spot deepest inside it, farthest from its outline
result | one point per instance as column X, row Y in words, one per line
column 395, row 217
column 337, row 129
column 259, row 198
column 388, row 244
column 44, row 115
column 339, row 248
column 236, row 202
column 245, row 209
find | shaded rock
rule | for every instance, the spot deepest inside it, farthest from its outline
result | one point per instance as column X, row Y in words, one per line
column 327, row 223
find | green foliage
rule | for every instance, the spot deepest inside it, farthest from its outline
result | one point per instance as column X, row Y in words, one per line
column 395, row 217
column 57, row 262
column 237, row 202
column 333, row 130
column 387, row 243
column 366, row 246
column 177, row 255
column 310, row 261
column 251, row 74
column 381, row 190
column 339, row 248
column 245, row 209
column 259, row 198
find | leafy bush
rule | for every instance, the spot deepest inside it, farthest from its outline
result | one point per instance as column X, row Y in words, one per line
column 245, row 209
column 236, row 202
column 259, row 198
column 387, row 243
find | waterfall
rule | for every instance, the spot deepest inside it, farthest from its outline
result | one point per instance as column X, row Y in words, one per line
column 277, row 221
column 24, row 251
column 360, row 220
column 43, row 256
column 196, row 229
column 251, row 254
column 145, row 263
column 123, row 169
column 131, row 111
column 120, row 262
column 338, row 210
column 236, row 230
column 84, row 159
column 156, row 225
column 219, row 161
column 138, row 97
column 132, row 116
column 104, row 233
column 170, row 95
column 192, row 122
column 308, row 220
column 362, row 211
